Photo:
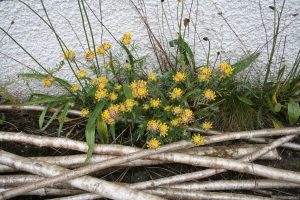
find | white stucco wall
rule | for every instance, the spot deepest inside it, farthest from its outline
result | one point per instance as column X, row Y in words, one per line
column 119, row 16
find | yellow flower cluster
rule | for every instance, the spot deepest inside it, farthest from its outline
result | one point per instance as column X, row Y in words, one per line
column 225, row 69
column 175, row 122
column 176, row 93
column 154, row 103
column 126, row 39
column 101, row 82
column 100, row 94
column 207, row 125
column 153, row 143
column 146, row 106
column 209, row 94
column 84, row 112
column 118, row 87
column 81, row 73
column 74, row 88
column 176, row 110
column 197, row 139
column 89, row 55
column 127, row 105
column 139, row 89
column 187, row 116
column 109, row 115
column 113, row 96
column 153, row 126
column 152, row 77
column 69, row 55
column 179, row 77
column 156, row 126
column 205, row 74
column 48, row 81
column 103, row 48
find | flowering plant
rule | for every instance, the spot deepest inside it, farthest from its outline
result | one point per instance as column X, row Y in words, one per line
column 157, row 106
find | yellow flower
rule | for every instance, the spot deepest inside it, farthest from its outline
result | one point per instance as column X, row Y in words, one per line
column 106, row 117
column 100, row 94
column 197, row 139
column 118, row 87
column 163, row 129
column 81, row 73
column 207, row 125
column 152, row 77
column 175, row 122
column 128, row 105
column 146, row 106
column 154, row 103
column 127, row 66
column 109, row 115
column 176, row 93
column 100, row 50
column 153, row 126
column 102, row 81
column 167, row 108
column 106, row 45
column 125, row 41
column 113, row 96
column 48, row 81
column 178, row 77
column 84, row 112
column 209, row 94
column 74, row 88
column 205, row 74
column 153, row 143
column 187, row 116
column 69, row 55
column 225, row 69
column 89, row 55
column 127, row 35
column 177, row 110
column 139, row 89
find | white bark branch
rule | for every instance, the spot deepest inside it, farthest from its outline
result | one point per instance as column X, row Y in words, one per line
column 87, row 183
column 235, row 185
column 75, row 161
column 68, row 174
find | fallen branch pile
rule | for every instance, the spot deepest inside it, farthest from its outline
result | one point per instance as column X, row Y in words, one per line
column 70, row 177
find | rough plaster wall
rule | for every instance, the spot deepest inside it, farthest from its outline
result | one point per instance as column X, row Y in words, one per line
column 118, row 15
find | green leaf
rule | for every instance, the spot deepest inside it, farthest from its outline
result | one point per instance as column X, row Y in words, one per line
column 90, row 128
column 186, row 51
column 43, row 114
column 52, row 118
column 277, row 107
column 245, row 100
column 112, row 131
column 130, row 56
column 244, row 63
column 102, row 130
column 127, row 92
column 46, row 99
column 63, row 117
column 276, row 123
column 293, row 111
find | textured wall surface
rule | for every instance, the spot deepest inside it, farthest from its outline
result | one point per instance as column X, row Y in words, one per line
column 234, row 33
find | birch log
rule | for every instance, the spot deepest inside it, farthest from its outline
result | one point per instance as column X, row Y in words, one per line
column 75, row 161
column 86, row 183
